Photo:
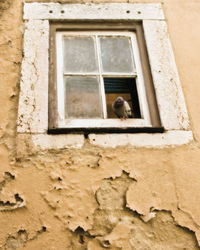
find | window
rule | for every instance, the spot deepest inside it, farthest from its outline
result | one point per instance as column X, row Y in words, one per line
column 91, row 69
column 157, row 98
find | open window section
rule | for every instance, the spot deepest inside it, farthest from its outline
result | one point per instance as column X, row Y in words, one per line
column 93, row 69
column 124, row 87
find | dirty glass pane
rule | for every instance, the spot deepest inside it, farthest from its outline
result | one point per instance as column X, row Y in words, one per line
column 79, row 55
column 82, row 97
column 116, row 55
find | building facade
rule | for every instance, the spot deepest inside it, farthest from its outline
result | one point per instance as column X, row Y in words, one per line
column 66, row 183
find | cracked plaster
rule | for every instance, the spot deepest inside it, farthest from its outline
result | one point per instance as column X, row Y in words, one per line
column 33, row 105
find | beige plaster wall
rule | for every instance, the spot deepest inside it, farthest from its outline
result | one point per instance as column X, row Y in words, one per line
column 97, row 198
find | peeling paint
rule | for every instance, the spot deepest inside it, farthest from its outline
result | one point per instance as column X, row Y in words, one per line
column 21, row 238
column 12, row 205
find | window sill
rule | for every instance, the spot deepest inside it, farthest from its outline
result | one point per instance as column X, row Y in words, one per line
column 151, row 140
column 99, row 130
column 28, row 144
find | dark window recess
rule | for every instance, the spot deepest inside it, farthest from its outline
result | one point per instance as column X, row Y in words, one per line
column 125, row 87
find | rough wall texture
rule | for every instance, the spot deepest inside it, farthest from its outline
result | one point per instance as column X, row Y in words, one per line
column 92, row 197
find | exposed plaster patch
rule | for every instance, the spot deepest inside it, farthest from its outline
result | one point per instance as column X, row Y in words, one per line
column 116, row 226
column 71, row 196
column 146, row 195
column 69, row 205
column 130, row 232
column 169, row 138
column 90, row 160
column 118, row 236
column 111, row 193
column 21, row 238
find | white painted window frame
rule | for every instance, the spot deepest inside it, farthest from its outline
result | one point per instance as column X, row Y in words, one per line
column 33, row 100
column 112, row 123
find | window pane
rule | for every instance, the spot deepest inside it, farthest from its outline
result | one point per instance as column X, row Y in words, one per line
column 116, row 55
column 82, row 97
column 79, row 55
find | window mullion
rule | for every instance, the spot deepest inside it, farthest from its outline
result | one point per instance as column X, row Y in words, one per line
column 140, row 82
column 103, row 96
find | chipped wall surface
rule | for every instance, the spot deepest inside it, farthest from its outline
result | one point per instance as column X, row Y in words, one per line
column 75, row 194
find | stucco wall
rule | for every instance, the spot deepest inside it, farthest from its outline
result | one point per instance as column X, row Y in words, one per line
column 94, row 197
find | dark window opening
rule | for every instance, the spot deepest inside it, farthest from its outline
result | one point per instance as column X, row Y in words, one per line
column 124, row 87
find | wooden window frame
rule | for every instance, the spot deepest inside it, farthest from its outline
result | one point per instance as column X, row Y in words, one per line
column 136, row 27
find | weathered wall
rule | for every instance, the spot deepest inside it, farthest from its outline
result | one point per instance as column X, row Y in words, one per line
column 95, row 198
